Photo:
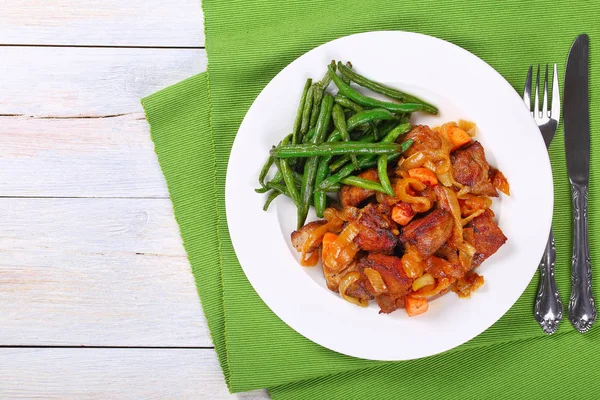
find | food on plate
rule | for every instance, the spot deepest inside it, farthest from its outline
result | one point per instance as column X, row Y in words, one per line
column 334, row 138
column 405, row 211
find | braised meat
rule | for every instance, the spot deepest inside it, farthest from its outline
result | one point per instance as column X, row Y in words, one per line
column 352, row 196
column 424, row 139
column 485, row 235
column 429, row 233
column 375, row 231
column 299, row 237
column 470, row 168
column 393, row 275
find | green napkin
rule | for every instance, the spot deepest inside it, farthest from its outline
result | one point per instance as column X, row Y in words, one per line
column 194, row 123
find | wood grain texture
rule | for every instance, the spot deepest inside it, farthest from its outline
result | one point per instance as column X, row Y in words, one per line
column 96, row 272
column 85, row 374
column 88, row 82
column 173, row 23
column 79, row 157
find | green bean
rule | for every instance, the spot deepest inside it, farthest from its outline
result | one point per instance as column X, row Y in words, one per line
column 296, row 138
column 366, row 161
column 319, row 91
column 332, row 149
column 320, row 198
column 264, row 171
column 327, row 77
column 288, row 176
column 366, row 101
column 382, row 89
column 308, row 103
column 382, row 163
column 347, row 80
column 309, row 136
column 323, row 120
column 363, row 183
column 339, row 121
column 393, row 135
column 347, row 103
column 317, row 97
column 310, row 168
column 272, row 196
column 306, row 190
column 346, row 158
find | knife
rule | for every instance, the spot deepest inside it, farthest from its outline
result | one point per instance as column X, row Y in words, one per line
column 582, row 309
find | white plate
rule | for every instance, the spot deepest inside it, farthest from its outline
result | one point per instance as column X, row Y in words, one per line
column 462, row 86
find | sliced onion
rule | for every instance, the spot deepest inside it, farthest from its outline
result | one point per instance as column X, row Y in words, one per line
column 376, row 281
column 418, row 203
column 424, row 280
column 345, row 283
column 470, row 218
column 412, row 263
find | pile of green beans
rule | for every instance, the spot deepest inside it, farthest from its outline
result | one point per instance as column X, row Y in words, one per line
column 335, row 137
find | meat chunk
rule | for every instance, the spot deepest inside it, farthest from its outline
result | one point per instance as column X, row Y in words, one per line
column 333, row 278
column 471, row 169
column 485, row 236
column 375, row 231
column 394, row 277
column 424, row 139
column 299, row 237
column 360, row 289
column 352, row 196
column 388, row 303
column 441, row 268
column 429, row 233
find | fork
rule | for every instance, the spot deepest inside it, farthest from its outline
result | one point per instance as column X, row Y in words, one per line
column 548, row 309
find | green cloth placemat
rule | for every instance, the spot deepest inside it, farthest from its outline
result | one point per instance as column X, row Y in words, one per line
column 194, row 124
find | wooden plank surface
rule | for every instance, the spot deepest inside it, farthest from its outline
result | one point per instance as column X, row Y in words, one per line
column 88, row 82
column 85, row 374
column 96, row 272
column 79, row 157
column 102, row 23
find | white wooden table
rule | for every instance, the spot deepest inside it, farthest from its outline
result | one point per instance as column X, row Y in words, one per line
column 97, row 299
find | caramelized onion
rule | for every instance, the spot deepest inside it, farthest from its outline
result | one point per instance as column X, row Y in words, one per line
column 376, row 281
column 418, row 203
column 422, row 281
column 442, row 285
column 412, row 263
column 345, row 283
column 468, row 219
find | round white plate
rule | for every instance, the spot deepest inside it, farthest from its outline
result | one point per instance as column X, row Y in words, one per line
column 462, row 86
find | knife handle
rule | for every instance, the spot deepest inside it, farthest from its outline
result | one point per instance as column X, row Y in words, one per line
column 582, row 308
column 548, row 308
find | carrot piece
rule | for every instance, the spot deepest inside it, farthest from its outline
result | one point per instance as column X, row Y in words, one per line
column 415, row 306
column 402, row 213
column 458, row 137
column 329, row 241
column 424, row 175
column 500, row 182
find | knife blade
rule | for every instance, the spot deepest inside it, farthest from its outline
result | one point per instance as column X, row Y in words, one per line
column 582, row 307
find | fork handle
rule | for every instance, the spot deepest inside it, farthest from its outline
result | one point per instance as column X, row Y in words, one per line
column 548, row 309
column 582, row 308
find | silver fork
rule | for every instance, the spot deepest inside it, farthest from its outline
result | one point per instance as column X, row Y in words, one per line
column 548, row 308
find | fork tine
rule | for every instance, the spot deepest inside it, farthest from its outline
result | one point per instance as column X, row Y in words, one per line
column 527, row 90
column 555, row 111
column 545, row 101
column 536, row 104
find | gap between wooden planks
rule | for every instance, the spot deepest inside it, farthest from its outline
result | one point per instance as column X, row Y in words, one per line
column 114, row 373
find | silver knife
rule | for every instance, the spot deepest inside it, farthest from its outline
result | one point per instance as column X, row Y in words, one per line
column 582, row 309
